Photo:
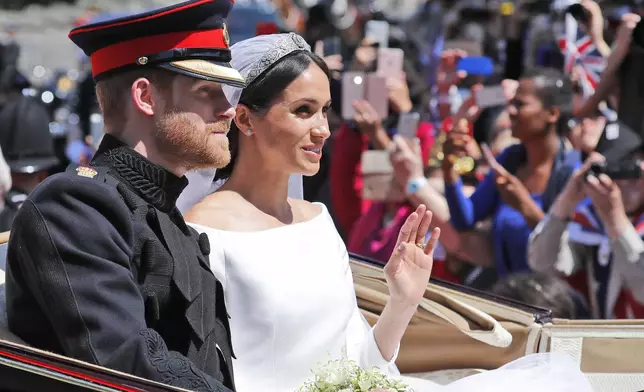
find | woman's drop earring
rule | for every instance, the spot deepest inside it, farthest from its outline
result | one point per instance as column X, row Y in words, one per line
column 248, row 132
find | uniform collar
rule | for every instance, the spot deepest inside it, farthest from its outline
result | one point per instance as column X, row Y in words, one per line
column 154, row 183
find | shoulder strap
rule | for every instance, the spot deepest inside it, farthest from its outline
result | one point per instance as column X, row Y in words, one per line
column 96, row 173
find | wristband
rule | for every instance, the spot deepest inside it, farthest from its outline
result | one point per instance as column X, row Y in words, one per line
column 415, row 184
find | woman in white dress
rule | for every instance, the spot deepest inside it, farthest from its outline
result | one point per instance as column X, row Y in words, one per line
column 284, row 268
column 283, row 265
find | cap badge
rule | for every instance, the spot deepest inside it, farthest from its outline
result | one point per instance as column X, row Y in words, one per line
column 226, row 35
column 142, row 60
column 85, row 171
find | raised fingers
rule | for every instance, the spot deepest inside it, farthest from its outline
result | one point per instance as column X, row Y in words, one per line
column 423, row 227
column 596, row 188
column 420, row 211
column 606, row 182
column 406, row 229
column 433, row 240
column 510, row 87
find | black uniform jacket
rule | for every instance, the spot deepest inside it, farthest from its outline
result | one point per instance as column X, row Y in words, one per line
column 102, row 267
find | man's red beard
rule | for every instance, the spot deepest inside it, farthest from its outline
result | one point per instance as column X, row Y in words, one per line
column 188, row 145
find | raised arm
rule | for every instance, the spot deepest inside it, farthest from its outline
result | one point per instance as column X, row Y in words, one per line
column 549, row 249
column 609, row 77
column 466, row 212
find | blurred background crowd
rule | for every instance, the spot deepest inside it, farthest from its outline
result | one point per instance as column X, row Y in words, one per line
column 517, row 123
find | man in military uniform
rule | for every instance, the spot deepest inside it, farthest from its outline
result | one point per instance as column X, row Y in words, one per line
column 101, row 265
column 28, row 148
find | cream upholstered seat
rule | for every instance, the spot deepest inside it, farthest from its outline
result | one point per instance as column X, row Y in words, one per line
column 443, row 343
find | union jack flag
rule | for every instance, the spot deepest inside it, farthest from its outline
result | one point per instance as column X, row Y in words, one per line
column 587, row 229
column 581, row 55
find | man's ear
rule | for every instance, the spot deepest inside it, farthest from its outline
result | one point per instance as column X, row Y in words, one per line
column 243, row 118
column 144, row 96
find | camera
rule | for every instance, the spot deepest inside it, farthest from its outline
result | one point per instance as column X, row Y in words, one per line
column 627, row 170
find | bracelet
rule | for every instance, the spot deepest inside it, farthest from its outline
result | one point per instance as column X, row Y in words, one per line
column 415, row 184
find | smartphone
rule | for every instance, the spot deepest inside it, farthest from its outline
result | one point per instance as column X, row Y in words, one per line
column 490, row 96
column 376, row 162
column 625, row 170
column 378, row 32
column 390, row 62
column 353, row 89
column 408, row 124
column 332, row 46
column 377, row 95
column 377, row 177
column 476, row 65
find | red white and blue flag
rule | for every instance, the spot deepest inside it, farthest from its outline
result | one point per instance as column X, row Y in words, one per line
column 581, row 55
column 586, row 229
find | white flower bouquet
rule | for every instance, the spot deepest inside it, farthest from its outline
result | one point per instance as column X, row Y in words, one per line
column 345, row 375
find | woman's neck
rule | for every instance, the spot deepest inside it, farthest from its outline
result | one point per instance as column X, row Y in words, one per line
column 541, row 152
column 265, row 189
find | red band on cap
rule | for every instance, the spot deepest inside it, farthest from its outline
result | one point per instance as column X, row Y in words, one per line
column 128, row 52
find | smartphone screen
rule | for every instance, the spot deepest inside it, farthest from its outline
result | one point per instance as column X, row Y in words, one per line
column 378, row 32
column 489, row 96
column 377, row 95
column 332, row 46
column 390, row 62
column 353, row 89
column 408, row 124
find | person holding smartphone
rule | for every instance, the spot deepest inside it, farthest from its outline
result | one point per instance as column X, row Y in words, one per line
column 519, row 188
column 597, row 242
column 368, row 130
column 369, row 226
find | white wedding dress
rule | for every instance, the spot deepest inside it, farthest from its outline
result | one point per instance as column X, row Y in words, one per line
column 289, row 292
